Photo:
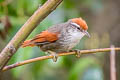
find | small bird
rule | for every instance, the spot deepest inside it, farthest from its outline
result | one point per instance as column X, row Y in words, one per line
column 60, row 37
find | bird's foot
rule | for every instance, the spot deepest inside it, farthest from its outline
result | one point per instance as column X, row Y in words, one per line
column 78, row 54
column 55, row 55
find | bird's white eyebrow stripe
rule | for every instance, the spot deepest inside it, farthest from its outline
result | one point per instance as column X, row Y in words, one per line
column 75, row 24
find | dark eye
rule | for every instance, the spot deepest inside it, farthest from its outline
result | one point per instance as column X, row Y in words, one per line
column 78, row 28
column 76, row 25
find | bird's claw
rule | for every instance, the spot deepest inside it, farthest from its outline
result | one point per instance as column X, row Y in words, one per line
column 55, row 55
column 78, row 54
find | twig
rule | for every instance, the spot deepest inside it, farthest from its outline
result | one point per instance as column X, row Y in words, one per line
column 26, row 29
column 61, row 54
column 112, row 64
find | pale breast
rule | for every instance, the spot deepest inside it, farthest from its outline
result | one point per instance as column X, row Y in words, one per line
column 71, row 39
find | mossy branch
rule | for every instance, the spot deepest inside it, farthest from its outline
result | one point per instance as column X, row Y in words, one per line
column 26, row 29
column 61, row 54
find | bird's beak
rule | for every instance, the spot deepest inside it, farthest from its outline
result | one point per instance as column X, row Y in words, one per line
column 87, row 34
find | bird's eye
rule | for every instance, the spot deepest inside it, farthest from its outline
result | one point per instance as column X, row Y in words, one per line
column 76, row 25
column 78, row 28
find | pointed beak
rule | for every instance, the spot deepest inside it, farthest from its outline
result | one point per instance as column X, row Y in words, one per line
column 87, row 34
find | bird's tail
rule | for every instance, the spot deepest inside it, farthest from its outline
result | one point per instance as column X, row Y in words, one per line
column 28, row 43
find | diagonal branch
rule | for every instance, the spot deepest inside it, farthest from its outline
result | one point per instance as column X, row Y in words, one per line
column 26, row 29
column 61, row 54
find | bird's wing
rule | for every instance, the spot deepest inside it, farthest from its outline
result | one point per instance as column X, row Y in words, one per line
column 44, row 37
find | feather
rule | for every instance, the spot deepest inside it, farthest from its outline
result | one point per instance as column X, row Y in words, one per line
column 44, row 37
column 80, row 22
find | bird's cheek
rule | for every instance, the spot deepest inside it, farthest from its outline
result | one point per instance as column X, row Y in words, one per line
column 80, row 35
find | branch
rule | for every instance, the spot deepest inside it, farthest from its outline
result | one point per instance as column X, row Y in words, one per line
column 26, row 29
column 61, row 54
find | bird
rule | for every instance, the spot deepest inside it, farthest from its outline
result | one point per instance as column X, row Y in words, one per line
column 60, row 38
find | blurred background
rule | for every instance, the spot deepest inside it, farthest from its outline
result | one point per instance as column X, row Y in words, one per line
column 103, row 19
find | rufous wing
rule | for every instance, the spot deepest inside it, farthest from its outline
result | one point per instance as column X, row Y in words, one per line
column 42, row 38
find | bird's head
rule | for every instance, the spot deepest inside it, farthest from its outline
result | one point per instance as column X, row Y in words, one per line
column 81, row 25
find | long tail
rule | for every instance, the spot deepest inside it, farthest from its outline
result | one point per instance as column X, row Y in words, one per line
column 28, row 43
